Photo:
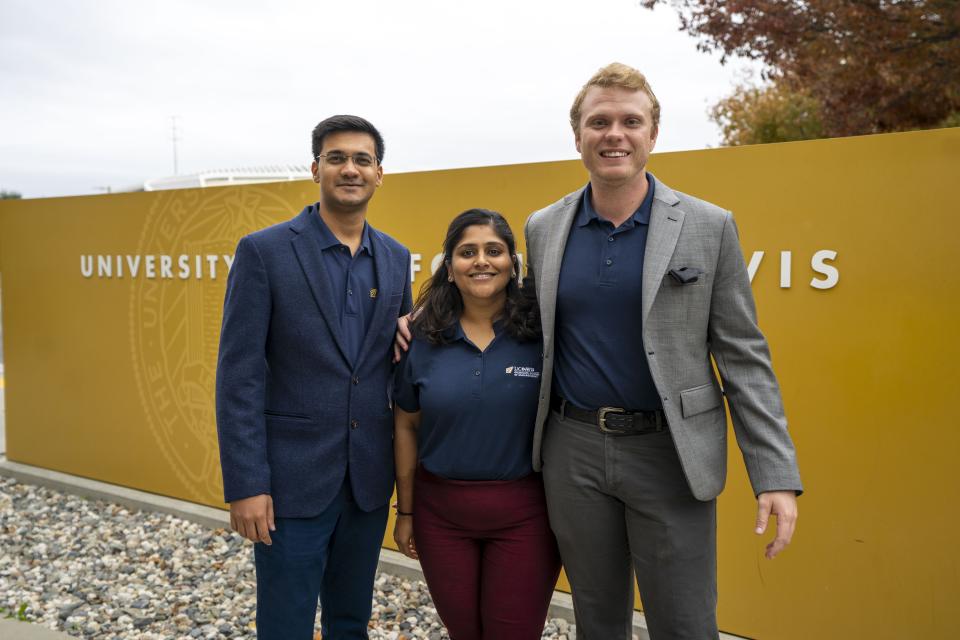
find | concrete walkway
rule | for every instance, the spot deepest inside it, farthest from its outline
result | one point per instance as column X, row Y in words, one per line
column 16, row 630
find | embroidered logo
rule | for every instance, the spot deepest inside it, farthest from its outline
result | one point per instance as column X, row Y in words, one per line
column 522, row 372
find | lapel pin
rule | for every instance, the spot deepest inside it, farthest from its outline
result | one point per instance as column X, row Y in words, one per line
column 373, row 293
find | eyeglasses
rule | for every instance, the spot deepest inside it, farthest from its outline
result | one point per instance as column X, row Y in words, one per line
column 359, row 159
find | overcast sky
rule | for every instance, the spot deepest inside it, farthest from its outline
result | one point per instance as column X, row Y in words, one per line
column 87, row 87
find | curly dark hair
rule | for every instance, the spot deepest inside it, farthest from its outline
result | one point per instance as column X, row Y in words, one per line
column 440, row 304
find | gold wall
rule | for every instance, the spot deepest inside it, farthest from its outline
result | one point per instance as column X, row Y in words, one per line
column 112, row 377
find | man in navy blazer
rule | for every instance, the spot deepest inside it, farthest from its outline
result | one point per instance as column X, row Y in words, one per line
column 303, row 416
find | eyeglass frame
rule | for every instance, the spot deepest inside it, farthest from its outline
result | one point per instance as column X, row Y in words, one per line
column 350, row 157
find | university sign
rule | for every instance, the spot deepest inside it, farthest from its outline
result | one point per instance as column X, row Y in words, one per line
column 186, row 267
column 112, row 307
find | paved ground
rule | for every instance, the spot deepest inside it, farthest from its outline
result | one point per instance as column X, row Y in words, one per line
column 3, row 431
column 16, row 630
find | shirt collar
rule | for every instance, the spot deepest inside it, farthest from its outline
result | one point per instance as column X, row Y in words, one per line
column 455, row 331
column 328, row 240
column 640, row 216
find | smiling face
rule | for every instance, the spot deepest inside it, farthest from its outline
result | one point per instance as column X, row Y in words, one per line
column 347, row 187
column 616, row 135
column 481, row 265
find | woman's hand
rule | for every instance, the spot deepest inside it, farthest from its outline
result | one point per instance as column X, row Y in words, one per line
column 403, row 536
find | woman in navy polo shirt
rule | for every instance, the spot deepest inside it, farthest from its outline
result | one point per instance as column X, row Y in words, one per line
column 468, row 503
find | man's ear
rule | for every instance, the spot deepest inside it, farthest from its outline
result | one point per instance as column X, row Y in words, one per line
column 379, row 174
column 576, row 140
column 315, row 171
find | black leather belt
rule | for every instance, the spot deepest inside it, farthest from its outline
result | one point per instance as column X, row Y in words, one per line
column 613, row 420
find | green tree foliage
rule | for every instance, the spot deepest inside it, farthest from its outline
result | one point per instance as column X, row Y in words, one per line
column 872, row 66
column 9, row 195
column 757, row 115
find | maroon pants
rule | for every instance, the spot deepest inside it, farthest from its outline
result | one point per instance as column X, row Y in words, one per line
column 488, row 555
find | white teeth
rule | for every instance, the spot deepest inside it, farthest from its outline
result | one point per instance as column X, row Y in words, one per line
column 613, row 154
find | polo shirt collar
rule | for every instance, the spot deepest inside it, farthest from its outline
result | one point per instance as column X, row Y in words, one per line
column 328, row 240
column 641, row 216
column 455, row 331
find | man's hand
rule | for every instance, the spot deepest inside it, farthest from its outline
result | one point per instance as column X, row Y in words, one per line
column 252, row 518
column 783, row 505
column 403, row 536
column 401, row 342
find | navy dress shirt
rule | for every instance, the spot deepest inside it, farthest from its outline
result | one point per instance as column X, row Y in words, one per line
column 600, row 358
column 477, row 407
column 353, row 280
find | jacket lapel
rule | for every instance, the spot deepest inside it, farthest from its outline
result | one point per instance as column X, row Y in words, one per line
column 666, row 220
column 307, row 249
column 385, row 277
column 548, row 277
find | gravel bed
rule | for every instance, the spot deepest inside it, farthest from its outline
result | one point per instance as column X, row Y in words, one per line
column 99, row 570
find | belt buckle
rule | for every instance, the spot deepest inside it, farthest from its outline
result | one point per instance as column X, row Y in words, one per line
column 602, row 419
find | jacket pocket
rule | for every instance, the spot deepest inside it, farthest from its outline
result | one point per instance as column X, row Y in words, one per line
column 281, row 415
column 700, row 399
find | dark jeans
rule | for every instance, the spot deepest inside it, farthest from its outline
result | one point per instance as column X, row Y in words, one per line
column 332, row 556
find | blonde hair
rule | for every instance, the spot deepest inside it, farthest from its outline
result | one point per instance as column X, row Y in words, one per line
column 619, row 75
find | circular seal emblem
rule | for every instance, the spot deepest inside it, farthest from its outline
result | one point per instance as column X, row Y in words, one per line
column 189, row 237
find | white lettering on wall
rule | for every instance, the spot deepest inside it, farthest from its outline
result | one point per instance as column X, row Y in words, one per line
column 185, row 266
column 414, row 265
column 184, row 263
column 785, row 265
column 755, row 260
column 212, row 261
column 86, row 266
column 104, row 267
column 435, row 263
column 819, row 264
column 155, row 266
column 165, row 263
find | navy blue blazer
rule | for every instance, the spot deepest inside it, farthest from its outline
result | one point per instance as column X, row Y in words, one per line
column 294, row 414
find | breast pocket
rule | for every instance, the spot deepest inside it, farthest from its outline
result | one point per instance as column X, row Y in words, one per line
column 683, row 303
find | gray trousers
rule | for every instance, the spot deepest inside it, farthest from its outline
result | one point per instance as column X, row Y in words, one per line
column 621, row 504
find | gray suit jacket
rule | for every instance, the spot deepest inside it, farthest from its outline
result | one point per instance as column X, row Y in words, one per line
column 683, row 326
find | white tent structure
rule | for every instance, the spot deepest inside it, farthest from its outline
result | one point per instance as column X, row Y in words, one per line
column 246, row 175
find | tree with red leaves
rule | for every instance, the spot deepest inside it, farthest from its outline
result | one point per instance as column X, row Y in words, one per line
column 872, row 66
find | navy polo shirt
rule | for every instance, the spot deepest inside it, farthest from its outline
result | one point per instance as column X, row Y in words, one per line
column 353, row 280
column 600, row 358
column 477, row 407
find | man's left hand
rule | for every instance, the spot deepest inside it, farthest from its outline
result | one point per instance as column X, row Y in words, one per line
column 783, row 505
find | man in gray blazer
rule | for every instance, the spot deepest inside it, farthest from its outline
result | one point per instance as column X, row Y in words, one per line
column 640, row 287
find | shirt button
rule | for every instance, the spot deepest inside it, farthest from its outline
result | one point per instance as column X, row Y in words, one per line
column 610, row 239
column 609, row 262
column 349, row 292
column 476, row 373
column 354, row 424
column 356, row 380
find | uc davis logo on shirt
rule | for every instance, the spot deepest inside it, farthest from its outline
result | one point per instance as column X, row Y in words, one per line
column 523, row 372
